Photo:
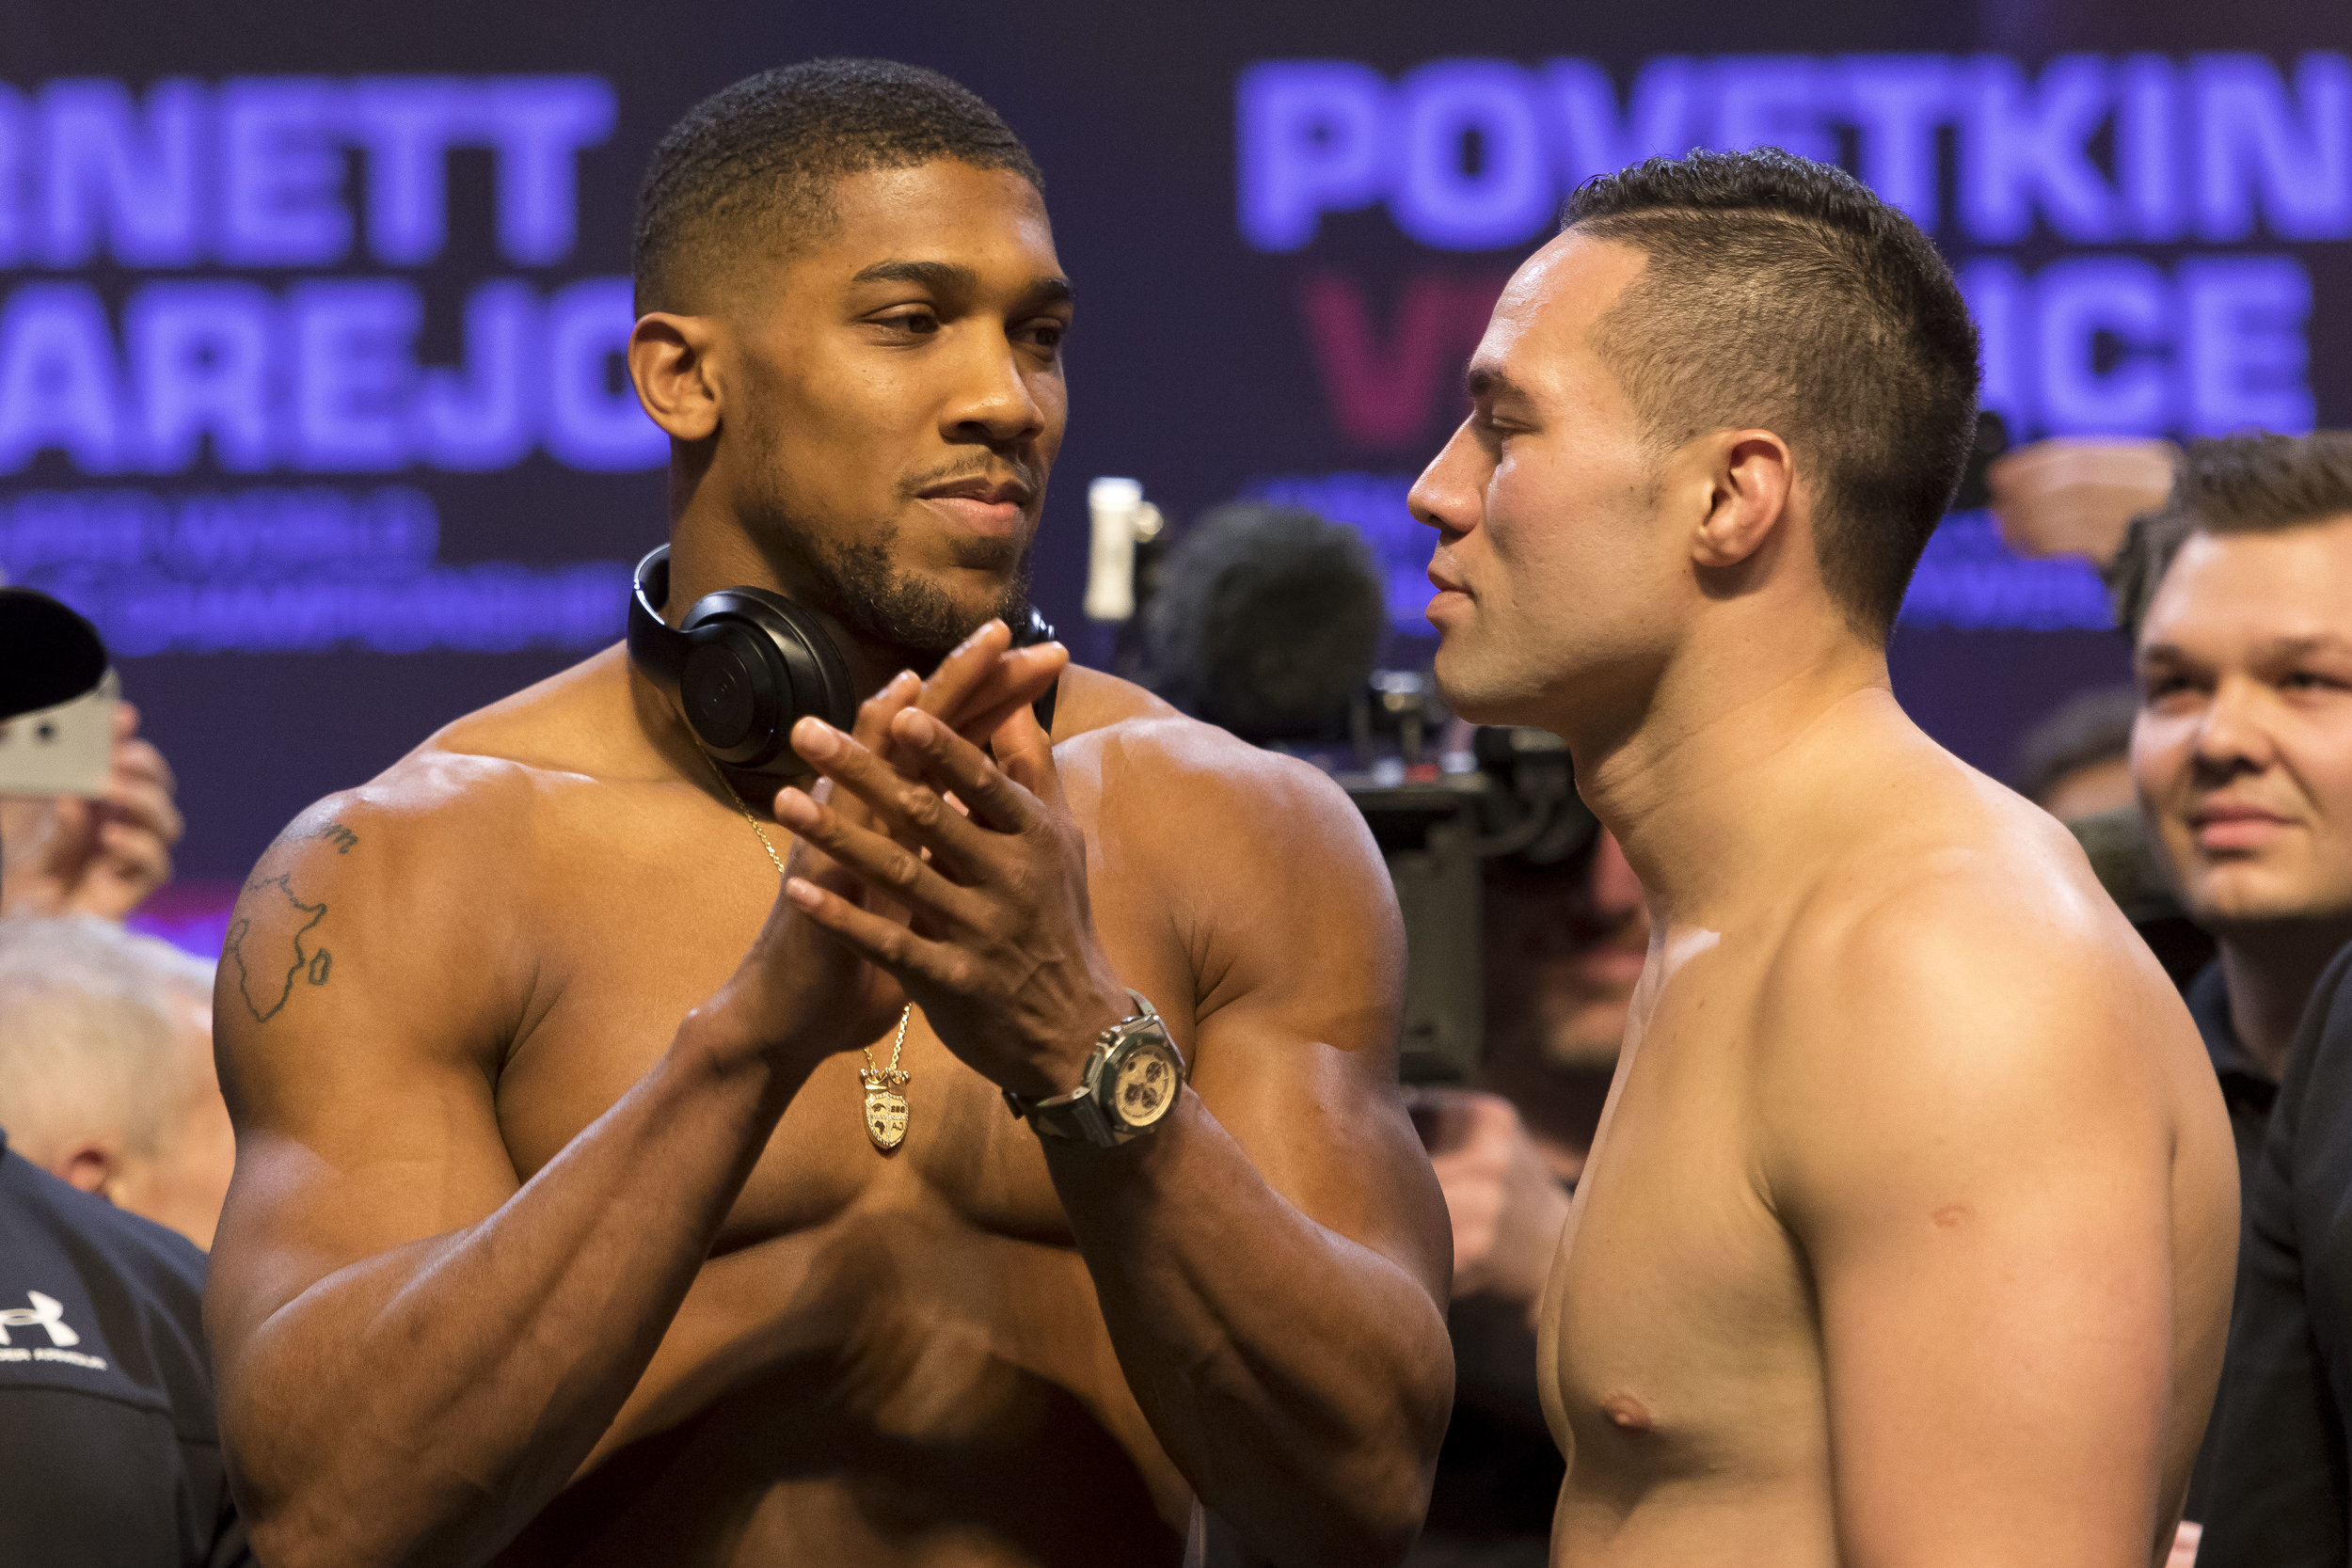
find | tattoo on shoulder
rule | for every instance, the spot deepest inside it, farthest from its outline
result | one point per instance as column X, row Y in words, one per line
column 268, row 967
column 342, row 838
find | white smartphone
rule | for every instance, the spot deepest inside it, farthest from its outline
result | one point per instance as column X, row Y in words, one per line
column 65, row 749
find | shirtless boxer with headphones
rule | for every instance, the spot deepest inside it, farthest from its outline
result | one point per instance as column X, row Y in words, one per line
column 595, row 1205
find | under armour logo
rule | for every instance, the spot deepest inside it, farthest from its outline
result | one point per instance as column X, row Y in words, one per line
column 46, row 1312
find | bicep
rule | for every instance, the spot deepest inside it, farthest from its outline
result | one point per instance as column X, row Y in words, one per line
column 1998, row 1358
column 1296, row 1055
column 1983, row 1196
column 351, row 1059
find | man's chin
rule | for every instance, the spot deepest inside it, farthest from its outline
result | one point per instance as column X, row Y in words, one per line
column 2246, row 899
column 1469, row 693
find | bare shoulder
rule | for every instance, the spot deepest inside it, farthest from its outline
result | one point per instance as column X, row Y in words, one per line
column 478, row 778
column 1962, row 969
column 411, row 886
column 1146, row 769
column 1265, row 872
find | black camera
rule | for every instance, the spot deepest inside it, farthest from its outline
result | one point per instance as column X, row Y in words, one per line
column 1439, row 820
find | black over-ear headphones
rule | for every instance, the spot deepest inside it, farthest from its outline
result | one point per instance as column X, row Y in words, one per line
column 746, row 665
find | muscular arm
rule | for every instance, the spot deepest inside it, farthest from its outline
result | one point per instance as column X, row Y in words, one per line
column 414, row 1350
column 1271, row 1261
column 1974, row 1125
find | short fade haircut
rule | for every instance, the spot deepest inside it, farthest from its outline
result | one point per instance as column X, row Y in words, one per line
column 86, row 1032
column 2252, row 483
column 751, row 166
column 1782, row 295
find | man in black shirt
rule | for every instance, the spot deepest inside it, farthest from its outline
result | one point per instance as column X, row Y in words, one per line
column 108, row 1448
column 2279, row 1487
column 2240, row 595
column 2247, row 1088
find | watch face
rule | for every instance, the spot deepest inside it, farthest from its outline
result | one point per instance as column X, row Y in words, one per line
column 1143, row 1087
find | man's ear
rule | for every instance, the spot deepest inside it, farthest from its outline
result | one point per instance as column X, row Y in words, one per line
column 1752, row 480
column 669, row 361
column 89, row 1163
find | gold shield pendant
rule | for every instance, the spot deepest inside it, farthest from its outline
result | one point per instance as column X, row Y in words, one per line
column 885, row 1108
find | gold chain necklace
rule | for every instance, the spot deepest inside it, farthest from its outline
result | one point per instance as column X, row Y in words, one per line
column 885, row 1087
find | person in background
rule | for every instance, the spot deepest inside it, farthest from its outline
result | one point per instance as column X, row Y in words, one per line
column 2232, row 714
column 2231, row 585
column 109, row 1447
column 2239, row 597
column 65, row 855
column 106, row 1077
column 2076, row 761
column 1565, row 947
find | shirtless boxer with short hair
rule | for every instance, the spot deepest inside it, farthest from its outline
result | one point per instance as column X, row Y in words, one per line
column 1907, row 1237
column 559, row 1234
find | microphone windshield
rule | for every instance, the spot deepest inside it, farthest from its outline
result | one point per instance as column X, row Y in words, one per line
column 1267, row 621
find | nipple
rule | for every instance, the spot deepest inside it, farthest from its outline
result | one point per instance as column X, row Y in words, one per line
column 1626, row 1414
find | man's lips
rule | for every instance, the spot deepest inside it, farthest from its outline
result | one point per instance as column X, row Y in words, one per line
column 992, row 508
column 1450, row 593
column 2235, row 826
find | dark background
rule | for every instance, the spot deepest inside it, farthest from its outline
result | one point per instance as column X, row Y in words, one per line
column 1190, row 368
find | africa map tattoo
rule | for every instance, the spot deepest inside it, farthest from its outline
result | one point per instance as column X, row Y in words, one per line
column 266, row 979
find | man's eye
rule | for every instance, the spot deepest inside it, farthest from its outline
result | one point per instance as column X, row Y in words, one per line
column 2309, row 680
column 1048, row 334
column 920, row 323
column 2155, row 689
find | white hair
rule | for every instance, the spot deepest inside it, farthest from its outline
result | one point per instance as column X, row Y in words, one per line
column 88, row 1016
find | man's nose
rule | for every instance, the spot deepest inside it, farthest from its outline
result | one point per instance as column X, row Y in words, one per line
column 993, row 402
column 2234, row 735
column 1448, row 493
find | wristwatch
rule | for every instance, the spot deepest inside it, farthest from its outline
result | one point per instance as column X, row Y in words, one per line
column 1130, row 1080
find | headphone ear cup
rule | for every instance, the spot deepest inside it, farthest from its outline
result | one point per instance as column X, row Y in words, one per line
column 732, row 692
column 756, row 665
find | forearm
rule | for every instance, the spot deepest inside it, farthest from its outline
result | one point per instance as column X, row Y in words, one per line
column 423, row 1405
column 1300, row 1379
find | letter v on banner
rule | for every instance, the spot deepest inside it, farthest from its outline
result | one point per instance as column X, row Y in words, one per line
column 1382, row 394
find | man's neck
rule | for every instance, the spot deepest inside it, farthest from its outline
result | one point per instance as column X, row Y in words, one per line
column 1701, row 786
column 2269, row 971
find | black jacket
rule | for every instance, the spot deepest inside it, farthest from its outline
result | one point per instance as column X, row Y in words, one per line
column 2279, row 1482
column 110, row 1453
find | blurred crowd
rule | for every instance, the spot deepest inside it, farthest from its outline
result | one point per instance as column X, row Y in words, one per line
column 2214, row 796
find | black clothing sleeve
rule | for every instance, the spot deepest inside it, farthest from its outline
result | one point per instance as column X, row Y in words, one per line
column 2279, row 1482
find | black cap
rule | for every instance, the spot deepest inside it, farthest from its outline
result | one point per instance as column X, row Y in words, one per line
column 48, row 654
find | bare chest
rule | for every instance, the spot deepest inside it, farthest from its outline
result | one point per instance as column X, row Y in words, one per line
column 1678, row 1338
column 644, row 936
column 859, row 1302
